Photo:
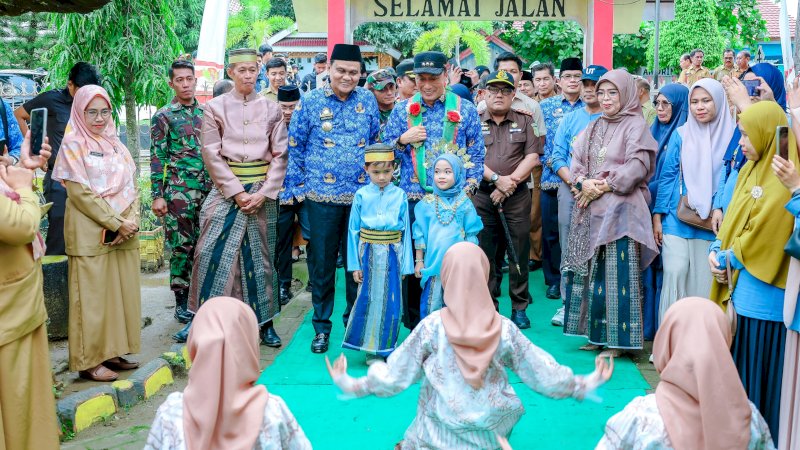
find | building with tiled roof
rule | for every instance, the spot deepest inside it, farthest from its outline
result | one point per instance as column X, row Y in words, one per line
column 770, row 47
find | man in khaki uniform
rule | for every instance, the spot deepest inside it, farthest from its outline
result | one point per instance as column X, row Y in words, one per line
column 696, row 71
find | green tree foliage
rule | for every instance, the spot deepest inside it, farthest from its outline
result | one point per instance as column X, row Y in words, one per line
column 188, row 18
column 695, row 26
column 253, row 24
column 397, row 35
column 283, row 8
column 740, row 22
column 546, row 41
column 25, row 39
column 630, row 50
column 132, row 42
column 452, row 37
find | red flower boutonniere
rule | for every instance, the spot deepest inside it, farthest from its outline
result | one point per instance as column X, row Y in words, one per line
column 414, row 109
column 454, row 116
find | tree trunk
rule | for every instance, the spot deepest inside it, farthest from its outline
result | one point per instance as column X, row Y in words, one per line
column 131, row 123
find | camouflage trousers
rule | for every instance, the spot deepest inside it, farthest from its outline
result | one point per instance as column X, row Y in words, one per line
column 182, row 230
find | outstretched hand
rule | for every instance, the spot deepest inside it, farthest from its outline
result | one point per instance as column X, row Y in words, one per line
column 339, row 367
column 604, row 370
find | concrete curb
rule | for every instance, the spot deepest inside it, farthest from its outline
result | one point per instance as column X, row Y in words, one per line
column 81, row 410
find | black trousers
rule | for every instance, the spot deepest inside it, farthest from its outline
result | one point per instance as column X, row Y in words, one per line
column 56, row 194
column 492, row 239
column 551, row 248
column 283, row 247
column 328, row 231
column 412, row 289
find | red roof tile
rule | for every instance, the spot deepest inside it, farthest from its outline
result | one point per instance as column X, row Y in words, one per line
column 308, row 42
column 771, row 13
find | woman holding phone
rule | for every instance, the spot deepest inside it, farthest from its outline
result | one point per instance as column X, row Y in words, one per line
column 100, row 230
column 749, row 264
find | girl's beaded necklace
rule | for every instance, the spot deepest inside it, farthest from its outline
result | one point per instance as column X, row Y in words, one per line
column 447, row 214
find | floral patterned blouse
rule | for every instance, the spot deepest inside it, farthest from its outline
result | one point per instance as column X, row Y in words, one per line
column 452, row 414
column 280, row 430
column 640, row 427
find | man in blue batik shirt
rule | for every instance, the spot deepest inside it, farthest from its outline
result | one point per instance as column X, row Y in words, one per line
column 13, row 140
column 431, row 80
column 328, row 133
column 554, row 109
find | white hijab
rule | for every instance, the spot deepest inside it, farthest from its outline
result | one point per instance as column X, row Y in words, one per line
column 704, row 146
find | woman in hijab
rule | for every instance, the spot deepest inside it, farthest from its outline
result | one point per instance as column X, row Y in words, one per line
column 787, row 173
column 749, row 263
column 672, row 108
column 610, row 240
column 222, row 407
column 442, row 219
column 771, row 89
column 690, row 174
column 100, row 231
column 27, row 406
column 460, row 353
column 699, row 403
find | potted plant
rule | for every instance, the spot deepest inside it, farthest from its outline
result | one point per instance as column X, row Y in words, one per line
column 151, row 232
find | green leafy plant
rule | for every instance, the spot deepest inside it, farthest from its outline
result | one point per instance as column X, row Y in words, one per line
column 546, row 41
column 740, row 22
column 695, row 26
column 252, row 24
column 451, row 37
column 630, row 50
column 25, row 39
column 148, row 220
column 387, row 35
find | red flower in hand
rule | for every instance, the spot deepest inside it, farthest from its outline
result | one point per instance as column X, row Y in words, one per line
column 414, row 109
column 454, row 116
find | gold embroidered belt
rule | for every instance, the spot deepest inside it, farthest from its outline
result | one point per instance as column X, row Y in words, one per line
column 380, row 237
column 249, row 172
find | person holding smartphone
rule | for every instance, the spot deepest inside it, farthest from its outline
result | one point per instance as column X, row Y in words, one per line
column 104, row 293
column 24, row 358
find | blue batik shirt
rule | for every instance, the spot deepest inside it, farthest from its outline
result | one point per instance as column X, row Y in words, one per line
column 327, row 137
column 567, row 132
column 468, row 136
column 554, row 109
column 14, row 138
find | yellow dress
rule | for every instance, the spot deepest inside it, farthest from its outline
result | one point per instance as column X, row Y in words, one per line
column 104, row 296
column 27, row 405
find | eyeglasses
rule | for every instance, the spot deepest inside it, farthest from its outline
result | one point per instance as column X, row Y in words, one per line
column 661, row 104
column 92, row 114
column 496, row 90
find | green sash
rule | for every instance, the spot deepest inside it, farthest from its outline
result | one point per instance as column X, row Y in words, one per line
column 452, row 102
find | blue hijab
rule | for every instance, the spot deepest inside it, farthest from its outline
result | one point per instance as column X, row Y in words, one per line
column 459, row 175
column 774, row 79
column 678, row 96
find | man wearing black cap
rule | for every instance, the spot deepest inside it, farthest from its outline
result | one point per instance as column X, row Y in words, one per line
column 419, row 128
column 526, row 84
column 512, row 150
column 406, row 80
column 290, row 207
column 320, row 66
column 330, row 128
column 554, row 109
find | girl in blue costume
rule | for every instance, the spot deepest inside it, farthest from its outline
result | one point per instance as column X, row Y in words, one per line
column 672, row 108
column 443, row 218
column 379, row 255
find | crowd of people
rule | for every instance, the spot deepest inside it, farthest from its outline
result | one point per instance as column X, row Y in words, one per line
column 652, row 216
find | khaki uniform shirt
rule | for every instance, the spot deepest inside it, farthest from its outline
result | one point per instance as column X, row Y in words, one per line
column 689, row 76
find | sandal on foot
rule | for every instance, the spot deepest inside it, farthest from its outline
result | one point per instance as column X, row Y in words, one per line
column 613, row 352
column 99, row 373
column 590, row 347
column 120, row 363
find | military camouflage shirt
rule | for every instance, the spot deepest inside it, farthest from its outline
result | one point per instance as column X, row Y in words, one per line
column 175, row 157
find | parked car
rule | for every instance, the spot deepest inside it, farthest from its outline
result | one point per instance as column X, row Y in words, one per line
column 17, row 86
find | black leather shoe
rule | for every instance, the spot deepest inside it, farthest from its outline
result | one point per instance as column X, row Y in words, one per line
column 181, row 336
column 182, row 315
column 285, row 295
column 553, row 292
column 320, row 343
column 533, row 266
column 269, row 337
column 520, row 319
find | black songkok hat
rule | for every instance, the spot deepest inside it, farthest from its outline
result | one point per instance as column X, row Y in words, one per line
column 288, row 93
column 527, row 76
column 346, row 52
column 571, row 64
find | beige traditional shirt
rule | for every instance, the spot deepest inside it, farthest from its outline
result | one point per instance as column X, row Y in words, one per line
column 244, row 129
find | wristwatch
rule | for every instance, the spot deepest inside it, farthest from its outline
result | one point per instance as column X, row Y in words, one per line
column 494, row 178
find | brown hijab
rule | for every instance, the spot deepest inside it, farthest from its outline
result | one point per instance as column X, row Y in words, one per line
column 470, row 321
column 700, row 396
column 222, row 408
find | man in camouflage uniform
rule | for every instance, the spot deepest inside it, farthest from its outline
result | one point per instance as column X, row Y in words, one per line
column 179, row 180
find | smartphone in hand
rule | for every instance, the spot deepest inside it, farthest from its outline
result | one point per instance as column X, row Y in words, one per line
column 38, row 129
column 108, row 237
column 752, row 87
